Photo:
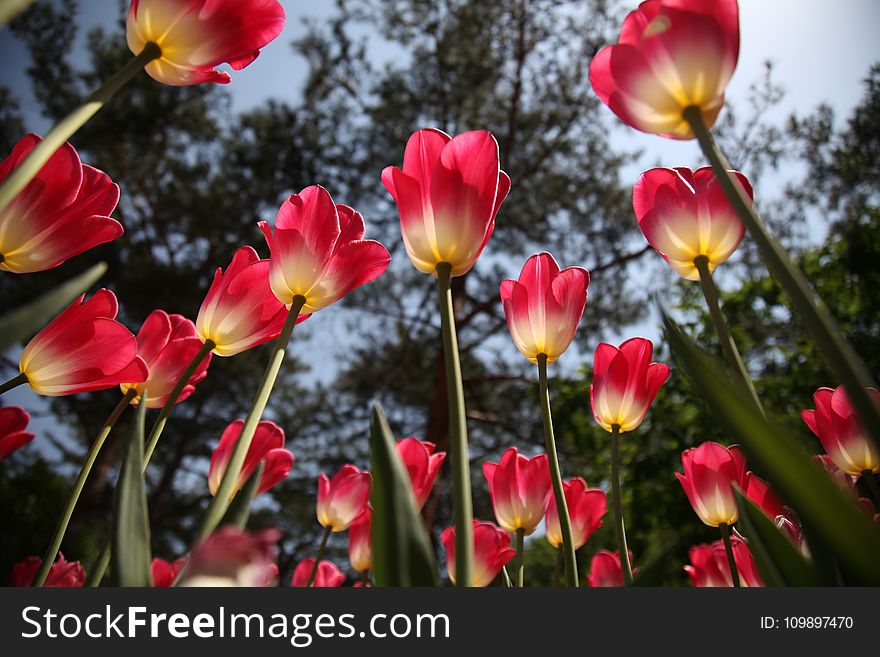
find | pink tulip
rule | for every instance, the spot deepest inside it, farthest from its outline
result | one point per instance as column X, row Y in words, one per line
column 586, row 506
column 759, row 492
column 360, row 542
column 625, row 382
column 448, row 195
column 672, row 54
column 63, row 573
column 240, row 311
column 167, row 343
column 685, row 214
column 318, row 250
column 163, row 573
column 422, row 464
column 841, row 432
column 605, row 570
column 62, row 212
column 710, row 471
column 13, row 421
column 328, row 575
column 267, row 447
column 83, row 349
column 197, row 35
column 519, row 488
column 492, row 552
column 545, row 306
column 342, row 500
column 709, row 566
column 234, row 557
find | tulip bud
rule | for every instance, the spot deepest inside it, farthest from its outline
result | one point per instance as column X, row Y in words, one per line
column 709, row 567
column 266, row 447
column 163, row 573
column 13, row 421
column 606, row 570
column 328, row 575
column 841, row 433
column 710, row 471
column 586, row 506
column 519, row 488
column 342, row 500
column 422, row 464
column 492, row 552
column 360, row 542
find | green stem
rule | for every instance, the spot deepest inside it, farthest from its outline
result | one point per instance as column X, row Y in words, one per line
column 14, row 382
column 462, row 505
column 520, row 557
column 571, row 574
column 868, row 478
column 55, row 543
column 321, row 548
column 99, row 565
column 220, row 501
column 728, row 548
column 619, row 528
column 839, row 354
column 506, row 576
column 43, row 151
column 560, row 566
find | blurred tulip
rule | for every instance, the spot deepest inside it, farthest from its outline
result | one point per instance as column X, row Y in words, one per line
column 197, row 35
column 422, row 464
column 709, row 567
column 164, row 573
column 625, row 382
column 519, row 488
column 545, row 306
column 234, row 557
column 13, row 421
column 318, row 250
column 586, row 506
column 167, row 343
column 672, row 54
column 267, row 446
column 342, row 500
column 83, row 349
column 710, row 471
column 841, row 432
column 448, row 195
column 492, row 552
column 605, row 570
column 62, row 574
column 685, row 214
column 844, row 481
column 328, row 575
column 62, row 212
column 360, row 542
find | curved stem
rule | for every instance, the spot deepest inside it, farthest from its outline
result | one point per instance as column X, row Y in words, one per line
column 14, row 382
column 462, row 505
column 619, row 528
column 56, row 137
column 220, row 501
column 571, row 574
column 868, row 478
column 520, row 557
column 728, row 548
column 319, row 556
column 73, row 496
column 839, row 354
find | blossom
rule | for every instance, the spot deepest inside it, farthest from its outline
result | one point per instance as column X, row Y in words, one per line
column 841, row 433
column 62, row 574
column 267, row 447
column 328, row 575
column 234, row 557
column 709, row 567
column 448, row 195
column 62, row 212
column 360, row 542
column 710, row 471
column 163, row 573
column 343, row 499
column 545, row 306
column 492, row 552
column 586, row 506
column 519, row 488
column 13, row 422
column 422, row 464
column 606, row 569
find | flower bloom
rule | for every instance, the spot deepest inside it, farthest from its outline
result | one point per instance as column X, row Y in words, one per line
column 519, row 488
column 13, row 421
column 62, row 212
column 343, row 499
column 360, row 542
column 422, row 464
column 83, row 349
column 625, row 382
column 685, row 214
column 63, row 573
column 545, row 306
column 318, row 250
column 448, row 195
column 240, row 311
column 710, row 471
column 606, row 570
column 167, row 343
column 672, row 54
column 197, row 35
column 163, row 573
column 328, row 575
column 492, row 552
column 234, row 557
column 267, row 447
column 841, row 432
column 586, row 506
column 708, row 565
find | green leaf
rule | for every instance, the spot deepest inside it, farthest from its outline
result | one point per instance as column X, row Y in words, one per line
column 131, row 525
column 240, row 509
column 25, row 321
column 402, row 552
column 848, row 533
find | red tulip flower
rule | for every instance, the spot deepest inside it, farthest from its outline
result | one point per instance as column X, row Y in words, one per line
column 343, row 499
column 318, row 250
column 62, row 212
column 519, row 488
column 163, row 573
column 841, row 432
column 710, row 471
column 13, row 422
column 63, row 573
column 672, row 54
column 240, row 311
column 422, row 464
column 545, row 306
column 448, row 195
column 267, row 447
column 625, row 382
column 167, row 343
column 234, row 557
column 606, row 570
column 83, row 349
column 195, row 36
column 685, row 214
column 328, row 575
column 492, row 552
column 360, row 542
column 709, row 567
column 586, row 506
